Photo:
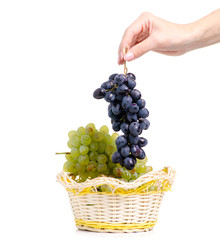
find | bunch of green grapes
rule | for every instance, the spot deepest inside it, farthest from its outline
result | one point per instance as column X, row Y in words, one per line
column 91, row 152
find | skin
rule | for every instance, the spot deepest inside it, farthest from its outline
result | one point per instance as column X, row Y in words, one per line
column 151, row 33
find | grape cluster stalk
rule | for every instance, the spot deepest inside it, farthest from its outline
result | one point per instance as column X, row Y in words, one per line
column 128, row 113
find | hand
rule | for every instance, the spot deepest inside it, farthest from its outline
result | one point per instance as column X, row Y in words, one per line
column 150, row 33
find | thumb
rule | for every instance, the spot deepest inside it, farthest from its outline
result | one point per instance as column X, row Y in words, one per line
column 139, row 49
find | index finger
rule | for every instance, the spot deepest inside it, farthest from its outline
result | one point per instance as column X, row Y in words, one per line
column 126, row 42
column 130, row 36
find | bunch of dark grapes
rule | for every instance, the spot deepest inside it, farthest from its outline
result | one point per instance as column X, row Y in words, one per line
column 128, row 114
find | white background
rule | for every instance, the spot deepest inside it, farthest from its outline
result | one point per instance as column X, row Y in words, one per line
column 53, row 55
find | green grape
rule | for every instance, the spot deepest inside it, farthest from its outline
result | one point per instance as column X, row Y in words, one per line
column 133, row 170
column 105, row 188
column 69, row 144
column 118, row 171
column 148, row 169
column 83, row 149
column 126, row 175
column 102, row 147
column 69, row 167
column 134, row 176
column 75, row 152
column 75, row 141
column 114, row 136
column 83, row 176
column 107, row 138
column 83, row 160
column 93, row 146
column 110, row 149
column 71, row 134
column 111, row 165
column 69, row 157
column 102, row 158
column 94, row 174
column 86, row 139
column 91, row 125
column 93, row 156
column 104, row 129
column 152, row 188
column 80, row 131
column 92, row 166
column 102, row 167
column 140, row 168
column 80, row 168
column 89, row 131
column 106, row 172
column 97, row 136
column 144, row 161
column 75, row 159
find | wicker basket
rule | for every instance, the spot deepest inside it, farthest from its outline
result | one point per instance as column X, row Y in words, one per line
column 129, row 207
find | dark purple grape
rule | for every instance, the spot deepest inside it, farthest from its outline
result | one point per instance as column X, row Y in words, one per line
column 133, row 108
column 133, row 139
column 141, row 103
column 132, row 117
column 116, row 109
column 125, row 128
column 131, row 75
column 111, row 77
column 144, row 123
column 129, row 162
column 126, row 136
column 135, row 94
column 121, row 141
column 99, row 93
column 120, row 79
column 111, row 114
column 122, row 89
column 125, row 151
column 116, row 157
column 121, row 162
column 120, row 96
column 109, row 96
column 110, row 106
column 135, row 150
column 143, row 113
column 142, row 154
column 116, row 126
column 135, row 128
column 131, row 83
column 126, row 102
column 142, row 142
column 107, row 85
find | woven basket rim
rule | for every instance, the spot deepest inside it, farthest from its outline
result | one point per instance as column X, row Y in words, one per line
column 65, row 179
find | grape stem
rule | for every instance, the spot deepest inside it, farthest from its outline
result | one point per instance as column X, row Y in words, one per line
column 62, row 153
column 112, row 89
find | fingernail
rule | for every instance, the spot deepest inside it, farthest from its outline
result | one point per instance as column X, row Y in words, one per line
column 129, row 56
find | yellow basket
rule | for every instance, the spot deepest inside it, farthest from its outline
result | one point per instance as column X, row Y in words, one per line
column 128, row 207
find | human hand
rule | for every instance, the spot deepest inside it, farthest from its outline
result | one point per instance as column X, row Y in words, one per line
column 150, row 33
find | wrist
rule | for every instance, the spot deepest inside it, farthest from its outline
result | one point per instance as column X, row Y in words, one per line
column 194, row 36
column 205, row 31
